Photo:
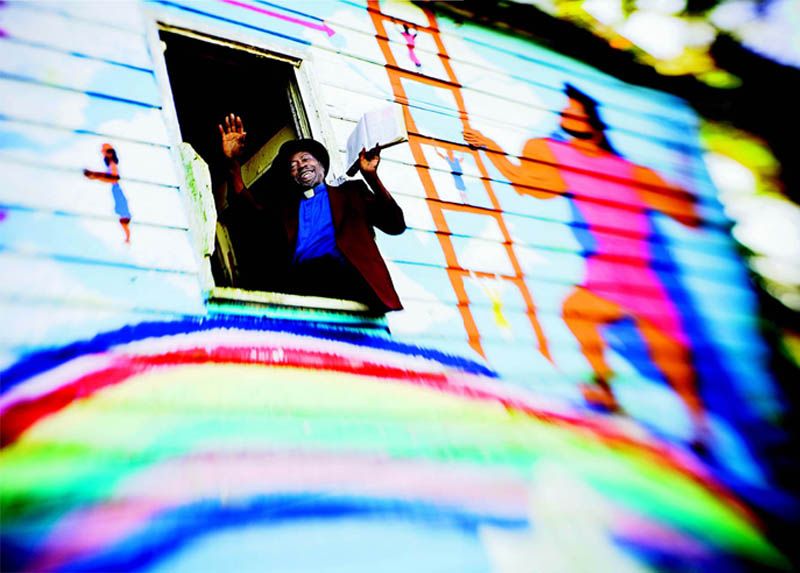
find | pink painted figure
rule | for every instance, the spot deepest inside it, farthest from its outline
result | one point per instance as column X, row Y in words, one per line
column 111, row 175
column 410, row 36
column 611, row 194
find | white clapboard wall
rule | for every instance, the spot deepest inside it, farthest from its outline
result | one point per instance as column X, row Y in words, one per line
column 76, row 75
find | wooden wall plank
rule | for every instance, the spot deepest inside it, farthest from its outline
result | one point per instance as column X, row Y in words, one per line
column 121, row 15
column 73, row 110
column 48, row 146
column 548, row 263
column 63, row 236
column 105, row 287
column 68, row 191
column 511, row 326
column 22, row 21
column 57, row 323
column 62, row 69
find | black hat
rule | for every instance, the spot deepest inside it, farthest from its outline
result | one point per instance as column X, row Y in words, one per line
column 280, row 165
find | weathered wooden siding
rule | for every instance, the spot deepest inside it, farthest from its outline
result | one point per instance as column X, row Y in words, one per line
column 106, row 91
column 72, row 77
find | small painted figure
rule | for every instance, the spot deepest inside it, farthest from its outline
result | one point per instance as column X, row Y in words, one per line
column 410, row 36
column 111, row 175
column 454, row 161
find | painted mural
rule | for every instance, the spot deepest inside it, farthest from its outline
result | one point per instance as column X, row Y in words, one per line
column 167, row 446
column 577, row 379
column 111, row 175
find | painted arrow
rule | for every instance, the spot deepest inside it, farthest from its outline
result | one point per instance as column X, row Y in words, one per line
column 321, row 27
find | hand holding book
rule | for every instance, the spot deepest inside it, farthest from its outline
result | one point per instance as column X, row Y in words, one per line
column 376, row 130
column 368, row 162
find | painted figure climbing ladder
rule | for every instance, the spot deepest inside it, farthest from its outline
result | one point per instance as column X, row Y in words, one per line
column 457, row 274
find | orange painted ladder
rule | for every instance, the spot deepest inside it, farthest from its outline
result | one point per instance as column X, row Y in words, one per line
column 456, row 273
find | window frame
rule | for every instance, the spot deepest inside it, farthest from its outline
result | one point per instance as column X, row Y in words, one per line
column 307, row 109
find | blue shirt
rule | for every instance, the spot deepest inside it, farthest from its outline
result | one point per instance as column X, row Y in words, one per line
column 315, row 236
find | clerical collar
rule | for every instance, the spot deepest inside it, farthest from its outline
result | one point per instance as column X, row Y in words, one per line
column 309, row 193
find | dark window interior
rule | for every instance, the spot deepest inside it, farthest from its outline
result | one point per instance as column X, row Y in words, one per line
column 208, row 82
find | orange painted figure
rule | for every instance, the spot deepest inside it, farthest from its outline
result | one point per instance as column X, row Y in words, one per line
column 111, row 175
column 614, row 197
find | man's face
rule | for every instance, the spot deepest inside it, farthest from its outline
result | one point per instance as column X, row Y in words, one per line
column 575, row 121
column 305, row 170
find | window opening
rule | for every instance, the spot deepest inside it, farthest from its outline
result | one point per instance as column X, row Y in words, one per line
column 246, row 234
column 210, row 79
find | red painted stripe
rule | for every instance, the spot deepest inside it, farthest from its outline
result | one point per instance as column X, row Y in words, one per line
column 23, row 415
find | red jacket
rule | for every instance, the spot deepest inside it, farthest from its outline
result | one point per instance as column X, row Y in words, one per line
column 356, row 211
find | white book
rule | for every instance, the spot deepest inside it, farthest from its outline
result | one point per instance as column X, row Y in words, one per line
column 381, row 128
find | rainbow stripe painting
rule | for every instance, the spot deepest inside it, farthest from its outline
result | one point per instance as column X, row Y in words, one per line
column 249, row 445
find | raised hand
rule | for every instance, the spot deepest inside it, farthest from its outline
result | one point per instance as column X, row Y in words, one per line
column 233, row 136
column 476, row 139
column 368, row 161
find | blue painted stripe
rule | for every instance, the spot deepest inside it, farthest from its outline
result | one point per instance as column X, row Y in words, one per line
column 41, row 361
column 168, row 532
column 96, row 94
column 72, row 215
column 82, row 55
column 36, row 144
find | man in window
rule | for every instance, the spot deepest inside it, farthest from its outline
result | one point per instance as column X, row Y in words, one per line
column 303, row 236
